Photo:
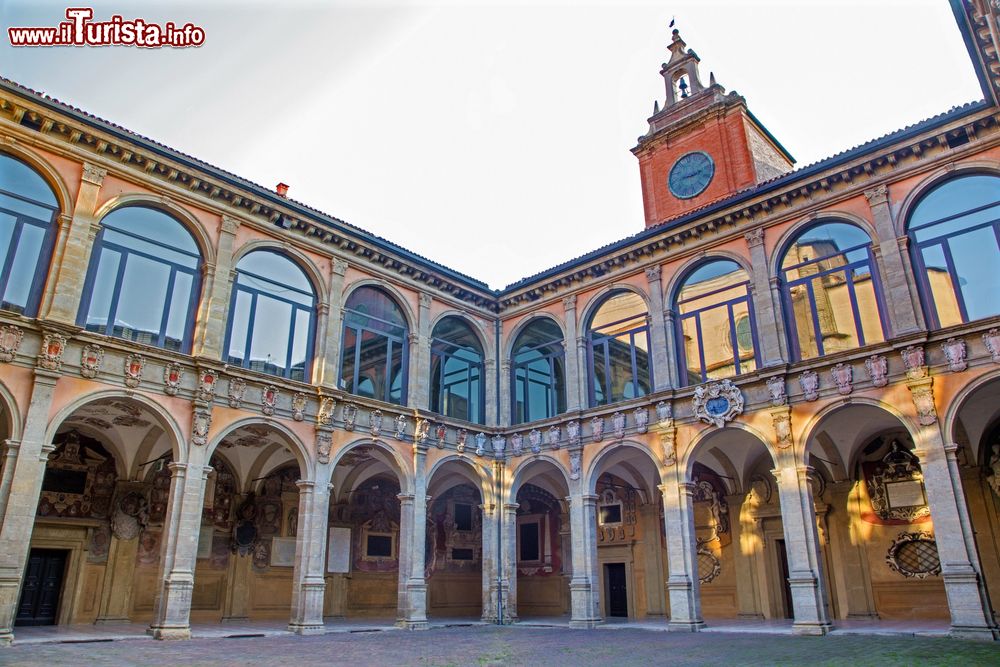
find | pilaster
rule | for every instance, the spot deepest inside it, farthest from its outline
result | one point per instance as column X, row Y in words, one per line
column 328, row 351
column 576, row 391
column 413, row 610
column 210, row 334
column 308, row 576
column 682, row 564
column 420, row 357
column 658, row 331
column 765, row 310
column 899, row 289
column 585, row 602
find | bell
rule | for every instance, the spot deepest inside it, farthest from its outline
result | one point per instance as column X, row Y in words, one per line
column 683, row 85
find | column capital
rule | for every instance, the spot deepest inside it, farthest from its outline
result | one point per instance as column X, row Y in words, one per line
column 569, row 302
column 93, row 174
column 229, row 225
column 425, row 300
column 877, row 195
column 339, row 267
column 754, row 237
column 405, row 498
column 653, row 274
column 511, row 507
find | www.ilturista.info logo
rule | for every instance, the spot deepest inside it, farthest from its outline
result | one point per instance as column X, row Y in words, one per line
column 80, row 30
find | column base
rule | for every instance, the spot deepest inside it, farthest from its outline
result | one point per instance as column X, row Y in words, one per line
column 161, row 632
column 685, row 626
column 307, row 629
column 412, row 625
column 585, row 623
column 984, row 634
column 811, row 629
column 6, row 639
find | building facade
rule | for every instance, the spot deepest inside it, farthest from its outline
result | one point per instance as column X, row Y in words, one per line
column 779, row 400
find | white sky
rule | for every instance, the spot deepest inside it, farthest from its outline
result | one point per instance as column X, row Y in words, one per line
column 491, row 137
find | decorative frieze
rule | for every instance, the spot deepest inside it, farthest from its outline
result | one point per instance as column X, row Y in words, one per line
column 91, row 358
column 324, row 416
column 535, row 439
column 460, row 438
column 134, row 363
column 922, row 393
column 878, row 370
column 201, row 422
column 573, row 432
column 235, row 391
column 324, row 443
column 375, row 423
column 597, row 428
column 781, row 419
column 10, row 340
column 298, row 406
column 172, row 376
column 776, row 390
column 516, row 444
column 668, row 446
column 349, row 414
column 914, row 554
column 499, row 445
column 207, row 381
column 440, row 433
column 956, row 352
column 268, row 399
column 575, row 463
column 843, row 377
column 554, row 436
column 913, row 362
column 618, row 424
column 717, row 402
column 641, row 420
column 480, row 443
column 664, row 414
column 400, row 429
column 809, row 381
column 53, row 347
column 991, row 339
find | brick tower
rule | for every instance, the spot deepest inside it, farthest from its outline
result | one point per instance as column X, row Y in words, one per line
column 703, row 144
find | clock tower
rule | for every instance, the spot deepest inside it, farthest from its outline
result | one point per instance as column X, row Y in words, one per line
column 703, row 145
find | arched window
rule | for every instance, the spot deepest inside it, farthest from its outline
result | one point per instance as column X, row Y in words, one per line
column 955, row 233
column 271, row 316
column 375, row 347
column 28, row 209
column 144, row 279
column 715, row 327
column 538, row 372
column 457, row 382
column 618, row 350
column 831, row 295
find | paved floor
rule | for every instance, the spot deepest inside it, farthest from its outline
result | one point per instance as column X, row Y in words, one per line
column 487, row 645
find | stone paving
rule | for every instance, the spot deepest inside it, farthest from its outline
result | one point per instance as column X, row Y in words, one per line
column 485, row 645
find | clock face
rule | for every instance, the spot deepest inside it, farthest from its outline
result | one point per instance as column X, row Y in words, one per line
column 690, row 175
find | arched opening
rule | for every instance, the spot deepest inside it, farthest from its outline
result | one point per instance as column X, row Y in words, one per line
column 618, row 349
column 376, row 348
column 542, row 542
column 831, row 291
column 716, row 333
column 631, row 551
column 454, row 543
column 458, row 385
column 365, row 558
column 538, row 372
column 881, row 559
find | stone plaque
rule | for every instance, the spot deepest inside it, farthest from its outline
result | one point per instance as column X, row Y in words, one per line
column 338, row 551
column 282, row 551
column 905, row 494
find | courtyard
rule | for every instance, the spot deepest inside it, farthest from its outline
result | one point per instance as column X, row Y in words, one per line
column 491, row 645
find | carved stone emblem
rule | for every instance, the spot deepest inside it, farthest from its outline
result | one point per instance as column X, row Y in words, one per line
column 597, row 427
column 440, row 432
column 782, row 421
column 535, row 438
column 898, row 466
column 923, row 400
column 641, row 420
column 375, row 423
column 809, row 381
column 664, row 414
column 134, row 363
column 618, row 424
column 324, row 416
column 717, row 402
column 207, row 381
column 237, row 387
column 878, row 370
column 499, row 445
column 298, row 406
column 776, row 388
column 956, row 353
column 480, row 443
column 422, row 430
column 668, row 445
column 913, row 361
column 10, row 340
column 201, row 421
column 573, row 432
column 53, row 346
column 843, row 377
column 172, row 375
column 400, row 429
column 460, row 438
column 350, row 414
column 516, row 443
column 91, row 358
column 268, row 399
column 130, row 517
column 575, row 463
column 992, row 341
column 554, row 435
column 324, row 442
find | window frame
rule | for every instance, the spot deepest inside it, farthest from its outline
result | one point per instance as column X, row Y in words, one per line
column 252, row 311
column 556, row 351
column 441, row 356
column 786, row 289
column 403, row 341
column 124, row 252
column 594, row 339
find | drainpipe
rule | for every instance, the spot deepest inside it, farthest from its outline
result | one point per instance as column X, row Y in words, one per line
column 498, row 473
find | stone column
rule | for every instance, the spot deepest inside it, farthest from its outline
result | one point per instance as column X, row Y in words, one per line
column 490, row 416
column 236, row 603
column 309, row 580
column 747, row 596
column 211, row 332
column 585, row 603
column 404, row 555
column 10, row 450
column 79, row 242
column 172, row 607
column 659, row 352
column 845, row 535
column 414, row 613
column 968, row 600
column 899, row 290
column 119, row 575
column 418, row 395
column 508, row 564
column 331, row 333
column 764, row 307
column 682, row 562
column 576, row 383
column 506, row 387
column 27, row 468
column 674, row 371
column 805, row 576
column 491, row 562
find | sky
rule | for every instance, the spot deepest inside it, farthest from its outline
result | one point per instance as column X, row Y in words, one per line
column 491, row 137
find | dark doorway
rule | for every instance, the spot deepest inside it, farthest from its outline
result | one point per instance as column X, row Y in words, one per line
column 617, row 591
column 786, row 588
column 42, row 585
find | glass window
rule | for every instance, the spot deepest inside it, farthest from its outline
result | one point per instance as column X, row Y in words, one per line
column 143, row 280
column 831, row 294
column 538, row 372
column 955, row 233
column 714, row 342
column 457, row 379
column 618, row 349
column 376, row 342
column 271, row 316
column 28, row 208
